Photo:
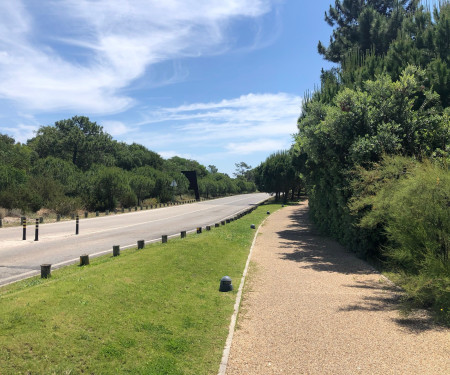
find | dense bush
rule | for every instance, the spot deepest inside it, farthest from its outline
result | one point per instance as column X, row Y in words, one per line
column 382, row 117
column 410, row 202
column 387, row 95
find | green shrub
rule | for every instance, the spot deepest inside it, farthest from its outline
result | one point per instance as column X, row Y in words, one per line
column 409, row 201
column 66, row 205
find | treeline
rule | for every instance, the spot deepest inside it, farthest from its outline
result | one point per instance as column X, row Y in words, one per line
column 76, row 165
column 373, row 141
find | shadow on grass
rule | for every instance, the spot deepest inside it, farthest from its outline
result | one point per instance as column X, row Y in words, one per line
column 311, row 250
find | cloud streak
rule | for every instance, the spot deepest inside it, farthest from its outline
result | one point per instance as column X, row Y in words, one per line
column 248, row 124
column 81, row 54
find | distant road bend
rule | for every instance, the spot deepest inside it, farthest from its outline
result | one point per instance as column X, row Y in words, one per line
column 58, row 245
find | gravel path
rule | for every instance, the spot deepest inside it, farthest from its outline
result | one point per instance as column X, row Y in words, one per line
column 310, row 307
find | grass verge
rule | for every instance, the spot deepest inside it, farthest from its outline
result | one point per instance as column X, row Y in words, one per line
column 151, row 311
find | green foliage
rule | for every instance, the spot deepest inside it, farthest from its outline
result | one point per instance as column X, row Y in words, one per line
column 364, row 25
column 410, row 201
column 142, row 187
column 77, row 140
column 361, row 125
column 389, row 95
column 178, row 164
column 134, row 156
column 278, row 174
column 59, row 170
column 107, row 187
column 74, row 164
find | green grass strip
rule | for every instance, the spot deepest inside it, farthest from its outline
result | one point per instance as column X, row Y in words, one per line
column 151, row 311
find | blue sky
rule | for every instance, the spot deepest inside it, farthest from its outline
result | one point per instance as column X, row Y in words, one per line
column 218, row 81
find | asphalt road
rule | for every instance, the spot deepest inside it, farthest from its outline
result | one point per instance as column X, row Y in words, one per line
column 58, row 245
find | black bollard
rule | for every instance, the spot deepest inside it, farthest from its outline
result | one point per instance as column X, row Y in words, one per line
column 183, row 234
column 225, row 284
column 24, row 230
column 116, row 250
column 46, row 271
column 164, row 238
column 36, row 231
column 84, row 260
column 77, row 225
column 86, row 214
column 140, row 244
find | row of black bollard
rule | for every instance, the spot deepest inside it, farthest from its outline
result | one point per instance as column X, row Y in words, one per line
column 84, row 259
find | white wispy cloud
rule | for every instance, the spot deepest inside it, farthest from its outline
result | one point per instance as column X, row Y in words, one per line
column 250, row 123
column 116, row 128
column 116, row 42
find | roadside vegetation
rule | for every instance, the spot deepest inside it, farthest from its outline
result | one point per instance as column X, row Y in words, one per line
column 152, row 311
column 373, row 144
column 75, row 165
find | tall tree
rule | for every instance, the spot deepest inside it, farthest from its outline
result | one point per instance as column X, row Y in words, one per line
column 77, row 139
column 363, row 24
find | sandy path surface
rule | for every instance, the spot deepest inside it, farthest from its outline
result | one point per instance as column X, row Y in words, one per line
column 310, row 307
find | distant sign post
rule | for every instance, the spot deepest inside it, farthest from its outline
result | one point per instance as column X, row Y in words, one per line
column 193, row 185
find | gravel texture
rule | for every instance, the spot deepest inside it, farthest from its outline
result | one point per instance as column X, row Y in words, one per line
column 310, row 307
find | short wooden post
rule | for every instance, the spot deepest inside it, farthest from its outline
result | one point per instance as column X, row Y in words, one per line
column 183, row 234
column 86, row 214
column 84, row 260
column 115, row 210
column 36, row 231
column 106, row 212
column 116, row 250
column 129, row 209
column 58, row 217
column 135, row 208
column 72, row 216
column 97, row 213
column 164, row 238
column 140, row 244
column 123, row 209
column 142, row 208
column 41, row 220
column 46, row 271
column 1, row 222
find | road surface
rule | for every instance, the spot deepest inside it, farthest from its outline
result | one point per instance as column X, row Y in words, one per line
column 58, row 245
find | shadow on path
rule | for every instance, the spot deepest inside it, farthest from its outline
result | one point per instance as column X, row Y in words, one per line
column 311, row 250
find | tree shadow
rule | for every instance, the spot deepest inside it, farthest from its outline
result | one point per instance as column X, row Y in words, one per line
column 320, row 253
column 315, row 251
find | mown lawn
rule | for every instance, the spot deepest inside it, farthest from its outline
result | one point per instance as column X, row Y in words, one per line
column 151, row 311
